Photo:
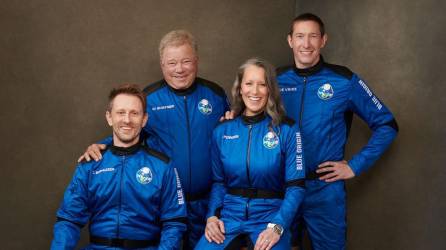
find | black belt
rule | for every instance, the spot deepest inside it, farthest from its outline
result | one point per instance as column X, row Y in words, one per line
column 123, row 243
column 196, row 196
column 256, row 193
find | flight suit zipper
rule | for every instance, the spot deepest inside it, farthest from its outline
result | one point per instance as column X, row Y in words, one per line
column 302, row 98
column 248, row 156
column 120, row 196
column 188, row 143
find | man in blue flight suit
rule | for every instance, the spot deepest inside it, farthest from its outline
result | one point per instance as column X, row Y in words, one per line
column 132, row 198
column 322, row 98
column 183, row 111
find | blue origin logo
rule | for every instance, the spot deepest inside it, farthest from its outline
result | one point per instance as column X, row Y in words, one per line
column 205, row 107
column 325, row 92
column 270, row 140
column 144, row 175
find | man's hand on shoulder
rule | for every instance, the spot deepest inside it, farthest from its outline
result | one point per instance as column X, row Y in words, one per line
column 229, row 115
column 93, row 151
column 335, row 171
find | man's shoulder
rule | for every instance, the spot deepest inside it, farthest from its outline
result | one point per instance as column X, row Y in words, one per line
column 156, row 154
column 340, row 70
column 283, row 69
column 214, row 87
column 151, row 88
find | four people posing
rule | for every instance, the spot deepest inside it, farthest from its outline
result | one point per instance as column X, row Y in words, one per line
column 254, row 163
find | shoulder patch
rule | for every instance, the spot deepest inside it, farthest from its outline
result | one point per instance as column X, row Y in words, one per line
column 154, row 86
column 288, row 120
column 283, row 69
column 212, row 85
column 340, row 70
column 157, row 154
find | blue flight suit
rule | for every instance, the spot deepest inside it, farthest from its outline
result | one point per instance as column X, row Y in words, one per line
column 181, row 122
column 258, row 174
column 322, row 99
column 132, row 199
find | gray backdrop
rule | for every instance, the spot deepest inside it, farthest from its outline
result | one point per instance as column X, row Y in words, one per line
column 60, row 58
column 399, row 48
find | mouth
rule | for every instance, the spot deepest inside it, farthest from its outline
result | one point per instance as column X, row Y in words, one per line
column 254, row 98
column 126, row 128
column 306, row 52
column 180, row 77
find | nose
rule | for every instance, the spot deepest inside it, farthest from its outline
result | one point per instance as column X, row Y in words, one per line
column 306, row 42
column 255, row 89
column 127, row 118
column 179, row 67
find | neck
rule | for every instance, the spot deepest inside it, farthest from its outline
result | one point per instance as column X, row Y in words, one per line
column 118, row 143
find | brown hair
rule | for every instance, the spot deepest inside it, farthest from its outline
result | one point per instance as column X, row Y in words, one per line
column 128, row 89
column 308, row 17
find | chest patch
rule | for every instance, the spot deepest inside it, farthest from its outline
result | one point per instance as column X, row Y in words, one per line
column 270, row 140
column 144, row 175
column 325, row 92
column 205, row 107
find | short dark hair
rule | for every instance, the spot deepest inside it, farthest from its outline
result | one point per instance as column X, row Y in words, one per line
column 308, row 17
column 128, row 89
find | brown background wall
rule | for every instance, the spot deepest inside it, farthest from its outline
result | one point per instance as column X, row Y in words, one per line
column 60, row 58
column 399, row 48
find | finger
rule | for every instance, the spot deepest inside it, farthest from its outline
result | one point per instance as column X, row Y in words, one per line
column 215, row 233
column 325, row 169
column 207, row 236
column 80, row 158
column 328, row 176
column 87, row 157
column 327, row 163
column 335, row 178
column 221, row 226
column 259, row 242
column 102, row 146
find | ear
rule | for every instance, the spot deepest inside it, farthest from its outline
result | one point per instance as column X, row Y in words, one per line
column 324, row 40
column 145, row 119
column 109, row 118
column 289, row 39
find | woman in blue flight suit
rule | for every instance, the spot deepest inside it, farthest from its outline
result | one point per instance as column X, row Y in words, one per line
column 257, row 166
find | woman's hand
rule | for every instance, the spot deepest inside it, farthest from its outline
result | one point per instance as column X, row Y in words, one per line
column 215, row 230
column 267, row 239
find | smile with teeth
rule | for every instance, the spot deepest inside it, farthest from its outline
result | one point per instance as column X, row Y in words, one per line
column 254, row 98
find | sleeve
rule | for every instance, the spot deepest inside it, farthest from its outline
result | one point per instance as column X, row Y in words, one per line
column 106, row 141
column 73, row 213
column 173, row 211
column 218, row 178
column 379, row 119
column 294, row 176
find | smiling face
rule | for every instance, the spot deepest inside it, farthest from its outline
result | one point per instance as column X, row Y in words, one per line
column 179, row 65
column 254, row 90
column 127, row 118
column 306, row 42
